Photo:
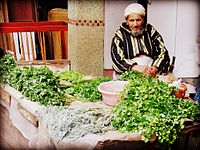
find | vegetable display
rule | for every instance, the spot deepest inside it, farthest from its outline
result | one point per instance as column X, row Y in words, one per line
column 88, row 90
column 71, row 76
column 38, row 84
column 7, row 64
column 149, row 107
column 80, row 87
column 45, row 86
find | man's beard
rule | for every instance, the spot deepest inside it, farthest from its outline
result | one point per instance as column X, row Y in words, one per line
column 137, row 33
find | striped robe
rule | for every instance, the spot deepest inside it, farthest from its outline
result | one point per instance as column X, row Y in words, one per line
column 125, row 47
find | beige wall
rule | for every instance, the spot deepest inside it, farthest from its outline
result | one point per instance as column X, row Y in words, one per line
column 114, row 10
column 86, row 36
column 179, row 22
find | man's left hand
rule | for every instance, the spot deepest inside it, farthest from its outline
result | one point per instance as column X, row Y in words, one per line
column 151, row 71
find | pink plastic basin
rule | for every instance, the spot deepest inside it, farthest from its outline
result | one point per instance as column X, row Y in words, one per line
column 110, row 91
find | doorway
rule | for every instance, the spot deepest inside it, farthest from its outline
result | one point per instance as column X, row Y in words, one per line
column 44, row 6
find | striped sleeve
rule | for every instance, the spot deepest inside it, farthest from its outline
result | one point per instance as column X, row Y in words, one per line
column 120, row 63
column 161, row 57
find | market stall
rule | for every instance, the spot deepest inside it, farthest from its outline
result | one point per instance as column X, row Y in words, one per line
column 49, row 126
column 64, row 110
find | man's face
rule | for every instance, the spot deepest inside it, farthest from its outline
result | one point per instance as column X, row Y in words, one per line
column 135, row 22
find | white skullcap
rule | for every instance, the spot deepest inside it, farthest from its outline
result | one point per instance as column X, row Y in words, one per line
column 134, row 8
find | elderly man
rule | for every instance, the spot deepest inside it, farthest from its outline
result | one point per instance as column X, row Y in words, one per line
column 138, row 46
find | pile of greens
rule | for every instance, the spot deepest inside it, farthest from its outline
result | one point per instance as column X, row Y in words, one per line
column 38, row 84
column 88, row 90
column 7, row 64
column 149, row 107
column 71, row 76
column 44, row 86
column 79, row 87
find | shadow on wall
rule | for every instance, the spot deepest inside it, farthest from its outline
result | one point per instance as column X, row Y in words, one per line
column 197, row 51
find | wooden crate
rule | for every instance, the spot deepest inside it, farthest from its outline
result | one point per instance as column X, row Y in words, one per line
column 28, row 115
column 5, row 97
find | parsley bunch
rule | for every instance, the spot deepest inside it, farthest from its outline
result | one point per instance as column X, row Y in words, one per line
column 71, row 76
column 7, row 64
column 149, row 107
column 38, row 84
column 87, row 90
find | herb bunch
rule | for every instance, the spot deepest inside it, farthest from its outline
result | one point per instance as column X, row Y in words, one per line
column 149, row 107
column 71, row 76
column 7, row 64
column 38, row 84
column 88, row 90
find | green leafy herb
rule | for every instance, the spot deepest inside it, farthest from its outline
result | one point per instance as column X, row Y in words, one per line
column 87, row 90
column 71, row 76
column 38, row 84
column 149, row 107
column 7, row 64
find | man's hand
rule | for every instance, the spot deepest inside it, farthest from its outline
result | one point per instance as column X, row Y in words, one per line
column 150, row 71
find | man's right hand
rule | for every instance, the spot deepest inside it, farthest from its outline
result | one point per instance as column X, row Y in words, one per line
column 147, row 70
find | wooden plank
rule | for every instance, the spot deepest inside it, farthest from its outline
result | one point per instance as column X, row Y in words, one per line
column 34, row 29
column 64, row 44
column 13, row 45
column 5, row 11
column 32, row 46
column 28, row 115
column 43, row 62
column 4, row 45
column 22, row 46
column 44, row 46
column 39, row 23
column 39, row 27
column 41, row 44
column 5, row 97
column 10, row 137
column 1, row 12
column 2, row 40
column 27, row 45
column 57, row 45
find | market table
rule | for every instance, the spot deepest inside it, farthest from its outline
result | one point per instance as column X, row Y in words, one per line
column 35, row 127
column 26, row 116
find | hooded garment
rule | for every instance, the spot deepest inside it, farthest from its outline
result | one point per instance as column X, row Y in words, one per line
column 125, row 47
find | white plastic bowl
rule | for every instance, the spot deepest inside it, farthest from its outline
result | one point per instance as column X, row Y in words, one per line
column 110, row 91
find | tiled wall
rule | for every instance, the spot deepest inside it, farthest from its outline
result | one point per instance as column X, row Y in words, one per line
column 86, row 36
